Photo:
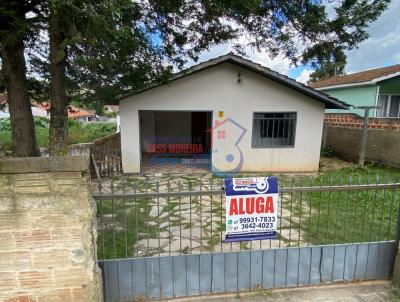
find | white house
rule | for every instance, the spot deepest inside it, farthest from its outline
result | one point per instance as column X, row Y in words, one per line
column 238, row 114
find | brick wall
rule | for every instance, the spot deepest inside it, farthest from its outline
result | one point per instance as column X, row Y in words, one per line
column 343, row 134
column 47, row 231
column 349, row 120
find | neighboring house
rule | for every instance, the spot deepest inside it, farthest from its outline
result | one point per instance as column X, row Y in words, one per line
column 41, row 109
column 375, row 87
column 80, row 115
column 243, row 116
column 111, row 108
column 3, row 106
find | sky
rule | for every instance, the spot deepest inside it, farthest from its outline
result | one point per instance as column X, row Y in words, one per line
column 382, row 48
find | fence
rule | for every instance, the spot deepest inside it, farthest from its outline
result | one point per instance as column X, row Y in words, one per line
column 105, row 156
column 140, row 218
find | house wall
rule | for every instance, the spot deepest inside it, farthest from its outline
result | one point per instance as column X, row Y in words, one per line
column 391, row 86
column 356, row 96
column 217, row 89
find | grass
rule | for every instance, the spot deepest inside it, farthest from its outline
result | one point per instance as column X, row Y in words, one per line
column 343, row 217
column 319, row 217
column 119, row 232
column 77, row 132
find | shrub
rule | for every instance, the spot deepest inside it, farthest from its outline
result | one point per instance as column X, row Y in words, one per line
column 77, row 132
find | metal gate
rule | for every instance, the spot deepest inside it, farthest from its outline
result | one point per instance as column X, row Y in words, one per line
column 164, row 239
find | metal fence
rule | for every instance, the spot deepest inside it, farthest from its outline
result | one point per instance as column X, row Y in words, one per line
column 142, row 218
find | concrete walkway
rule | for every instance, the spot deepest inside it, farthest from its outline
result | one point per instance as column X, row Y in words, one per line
column 374, row 291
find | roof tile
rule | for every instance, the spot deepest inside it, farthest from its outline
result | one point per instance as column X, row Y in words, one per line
column 359, row 77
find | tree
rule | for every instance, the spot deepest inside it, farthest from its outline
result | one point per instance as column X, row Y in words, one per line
column 110, row 47
column 302, row 30
column 59, row 25
column 327, row 63
column 14, row 31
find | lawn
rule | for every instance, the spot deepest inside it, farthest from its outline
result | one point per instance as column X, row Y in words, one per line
column 77, row 132
column 163, row 226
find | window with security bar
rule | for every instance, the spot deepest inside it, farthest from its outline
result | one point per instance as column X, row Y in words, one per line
column 274, row 129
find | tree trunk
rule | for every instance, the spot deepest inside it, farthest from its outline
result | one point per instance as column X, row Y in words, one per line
column 22, row 124
column 58, row 87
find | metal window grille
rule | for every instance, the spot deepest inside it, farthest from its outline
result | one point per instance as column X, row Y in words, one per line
column 274, row 130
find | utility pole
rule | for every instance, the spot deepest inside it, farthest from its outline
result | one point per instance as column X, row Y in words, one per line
column 363, row 149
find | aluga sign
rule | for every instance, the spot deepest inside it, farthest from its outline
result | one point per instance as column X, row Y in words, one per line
column 251, row 208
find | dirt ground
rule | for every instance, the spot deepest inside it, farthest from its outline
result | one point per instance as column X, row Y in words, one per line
column 332, row 163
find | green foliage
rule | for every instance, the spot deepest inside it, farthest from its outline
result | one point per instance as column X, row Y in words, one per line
column 327, row 152
column 40, row 123
column 5, row 124
column 78, row 132
column 85, row 133
column 38, row 89
column 118, row 47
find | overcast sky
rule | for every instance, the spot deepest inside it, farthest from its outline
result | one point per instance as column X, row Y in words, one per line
column 382, row 48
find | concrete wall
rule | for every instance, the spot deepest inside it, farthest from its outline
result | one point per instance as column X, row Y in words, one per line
column 383, row 144
column 47, row 231
column 357, row 96
column 217, row 89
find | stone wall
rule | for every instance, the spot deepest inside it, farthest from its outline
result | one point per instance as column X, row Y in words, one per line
column 47, row 231
column 343, row 134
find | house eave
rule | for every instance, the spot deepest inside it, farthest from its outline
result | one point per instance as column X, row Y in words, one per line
column 330, row 102
column 360, row 84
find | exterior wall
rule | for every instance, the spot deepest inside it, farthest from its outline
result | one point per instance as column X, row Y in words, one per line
column 47, row 231
column 391, row 86
column 217, row 89
column 343, row 134
column 357, row 96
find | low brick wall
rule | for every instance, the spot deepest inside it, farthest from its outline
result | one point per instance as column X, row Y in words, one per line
column 47, row 231
column 343, row 134
column 354, row 121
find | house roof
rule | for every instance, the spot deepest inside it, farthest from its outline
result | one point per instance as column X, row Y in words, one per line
column 359, row 78
column 3, row 98
column 330, row 102
column 73, row 112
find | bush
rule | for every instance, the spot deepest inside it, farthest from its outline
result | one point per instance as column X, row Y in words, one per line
column 5, row 124
column 77, row 132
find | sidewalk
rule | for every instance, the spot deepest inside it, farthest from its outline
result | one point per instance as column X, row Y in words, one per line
column 371, row 291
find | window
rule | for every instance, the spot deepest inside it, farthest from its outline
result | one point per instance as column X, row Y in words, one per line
column 389, row 106
column 272, row 130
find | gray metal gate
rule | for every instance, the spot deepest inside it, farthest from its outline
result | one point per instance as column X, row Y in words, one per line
column 165, row 239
